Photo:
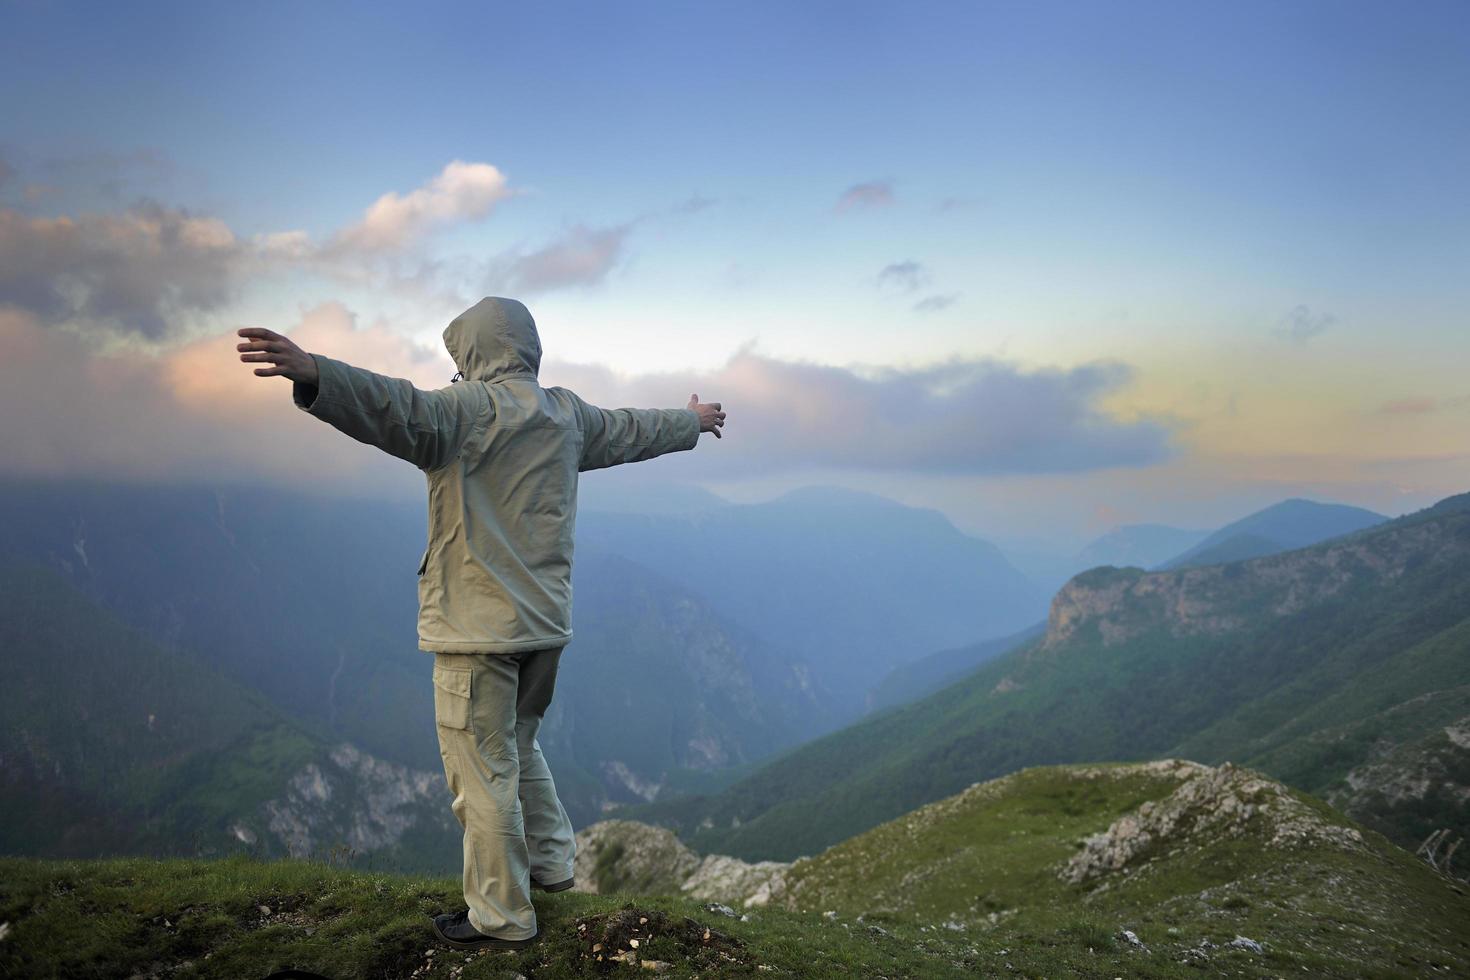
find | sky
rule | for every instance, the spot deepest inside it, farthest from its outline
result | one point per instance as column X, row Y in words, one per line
column 1049, row 268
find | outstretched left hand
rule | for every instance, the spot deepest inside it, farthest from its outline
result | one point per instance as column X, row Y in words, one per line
column 710, row 416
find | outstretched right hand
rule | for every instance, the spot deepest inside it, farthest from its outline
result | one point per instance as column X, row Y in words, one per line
column 280, row 351
column 710, row 416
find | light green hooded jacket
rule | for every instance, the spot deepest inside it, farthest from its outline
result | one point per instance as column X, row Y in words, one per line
column 502, row 455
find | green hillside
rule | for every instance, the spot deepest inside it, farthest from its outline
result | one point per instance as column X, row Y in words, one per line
column 1220, row 662
column 657, row 685
column 101, row 731
column 1171, row 848
column 112, row 745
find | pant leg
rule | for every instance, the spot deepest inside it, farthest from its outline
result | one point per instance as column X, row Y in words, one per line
column 549, row 837
column 475, row 704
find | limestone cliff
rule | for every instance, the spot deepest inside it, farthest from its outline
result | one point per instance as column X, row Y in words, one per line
column 1121, row 603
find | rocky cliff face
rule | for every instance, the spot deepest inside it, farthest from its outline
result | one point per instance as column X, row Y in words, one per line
column 1121, row 603
column 628, row 856
column 350, row 800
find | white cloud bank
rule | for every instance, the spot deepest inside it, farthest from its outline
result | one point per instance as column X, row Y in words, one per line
column 197, row 412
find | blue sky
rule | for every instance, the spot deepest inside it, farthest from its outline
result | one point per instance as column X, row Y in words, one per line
column 1260, row 209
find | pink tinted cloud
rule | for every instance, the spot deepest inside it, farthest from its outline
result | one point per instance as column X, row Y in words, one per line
column 195, row 413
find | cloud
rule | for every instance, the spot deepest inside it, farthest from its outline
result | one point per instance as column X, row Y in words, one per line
column 100, row 178
column 582, row 256
column 142, row 271
column 198, row 413
column 908, row 275
column 935, row 303
column 694, row 204
column 873, row 194
column 950, row 204
column 194, row 413
column 1422, row 405
column 151, row 270
column 958, row 417
column 1300, row 324
column 460, row 192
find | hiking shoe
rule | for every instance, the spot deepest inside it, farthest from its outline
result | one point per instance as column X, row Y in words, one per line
column 559, row 886
column 455, row 929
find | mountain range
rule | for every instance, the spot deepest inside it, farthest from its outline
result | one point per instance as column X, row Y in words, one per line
column 695, row 667
column 1321, row 664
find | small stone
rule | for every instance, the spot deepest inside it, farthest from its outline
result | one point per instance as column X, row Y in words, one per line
column 1240, row 942
column 657, row 966
column 429, row 952
column 829, row 914
column 706, row 933
column 642, row 919
column 265, row 910
column 633, row 943
column 597, row 947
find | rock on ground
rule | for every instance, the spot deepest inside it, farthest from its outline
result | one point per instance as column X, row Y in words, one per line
column 625, row 855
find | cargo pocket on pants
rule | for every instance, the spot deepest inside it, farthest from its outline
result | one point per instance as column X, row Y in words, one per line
column 451, row 697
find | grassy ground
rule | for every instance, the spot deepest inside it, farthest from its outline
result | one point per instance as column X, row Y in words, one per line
column 964, row 887
column 240, row 918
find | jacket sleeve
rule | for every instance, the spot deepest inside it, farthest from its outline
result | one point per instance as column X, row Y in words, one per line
column 427, row 428
column 631, row 435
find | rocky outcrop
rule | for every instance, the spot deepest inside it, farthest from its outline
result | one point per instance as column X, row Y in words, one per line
column 351, row 799
column 1121, row 603
column 1211, row 804
column 721, row 878
column 628, row 856
column 1410, row 774
column 1411, row 787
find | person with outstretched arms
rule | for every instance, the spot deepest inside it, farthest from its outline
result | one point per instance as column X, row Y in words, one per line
column 502, row 456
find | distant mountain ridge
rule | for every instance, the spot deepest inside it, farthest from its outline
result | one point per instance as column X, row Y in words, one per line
column 1290, row 524
column 857, row 583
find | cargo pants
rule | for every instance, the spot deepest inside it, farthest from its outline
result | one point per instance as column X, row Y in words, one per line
column 487, row 710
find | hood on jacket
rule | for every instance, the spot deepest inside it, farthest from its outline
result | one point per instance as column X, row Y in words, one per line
column 495, row 338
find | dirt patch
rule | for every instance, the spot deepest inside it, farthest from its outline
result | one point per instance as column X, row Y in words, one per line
column 655, row 940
